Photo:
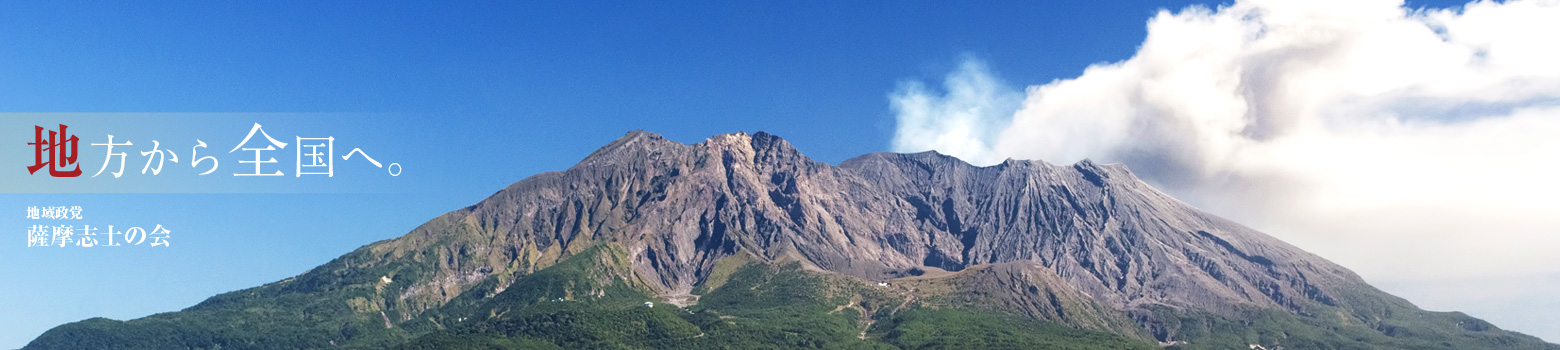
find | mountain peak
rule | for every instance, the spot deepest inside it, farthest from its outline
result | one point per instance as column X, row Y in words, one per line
column 757, row 140
column 760, row 147
column 764, row 140
column 1088, row 245
column 636, row 136
column 637, row 143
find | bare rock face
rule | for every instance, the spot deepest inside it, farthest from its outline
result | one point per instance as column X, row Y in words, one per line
column 679, row 207
column 1100, row 228
column 1083, row 229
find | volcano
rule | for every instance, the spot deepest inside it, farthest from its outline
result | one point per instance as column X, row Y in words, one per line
column 740, row 241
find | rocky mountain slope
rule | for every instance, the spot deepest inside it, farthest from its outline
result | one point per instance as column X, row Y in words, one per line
column 885, row 237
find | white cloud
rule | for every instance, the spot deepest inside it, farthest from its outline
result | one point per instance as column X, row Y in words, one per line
column 1411, row 146
column 975, row 108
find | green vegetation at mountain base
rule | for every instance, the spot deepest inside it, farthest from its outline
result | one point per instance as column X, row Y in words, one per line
column 594, row 300
column 755, row 306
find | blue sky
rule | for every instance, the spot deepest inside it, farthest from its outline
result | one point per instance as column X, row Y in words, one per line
column 468, row 97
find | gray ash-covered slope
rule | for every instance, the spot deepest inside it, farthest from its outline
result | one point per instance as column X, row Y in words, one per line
column 678, row 208
column 880, row 215
column 1099, row 227
column 1087, row 245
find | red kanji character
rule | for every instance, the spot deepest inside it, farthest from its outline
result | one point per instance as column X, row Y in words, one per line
column 59, row 158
